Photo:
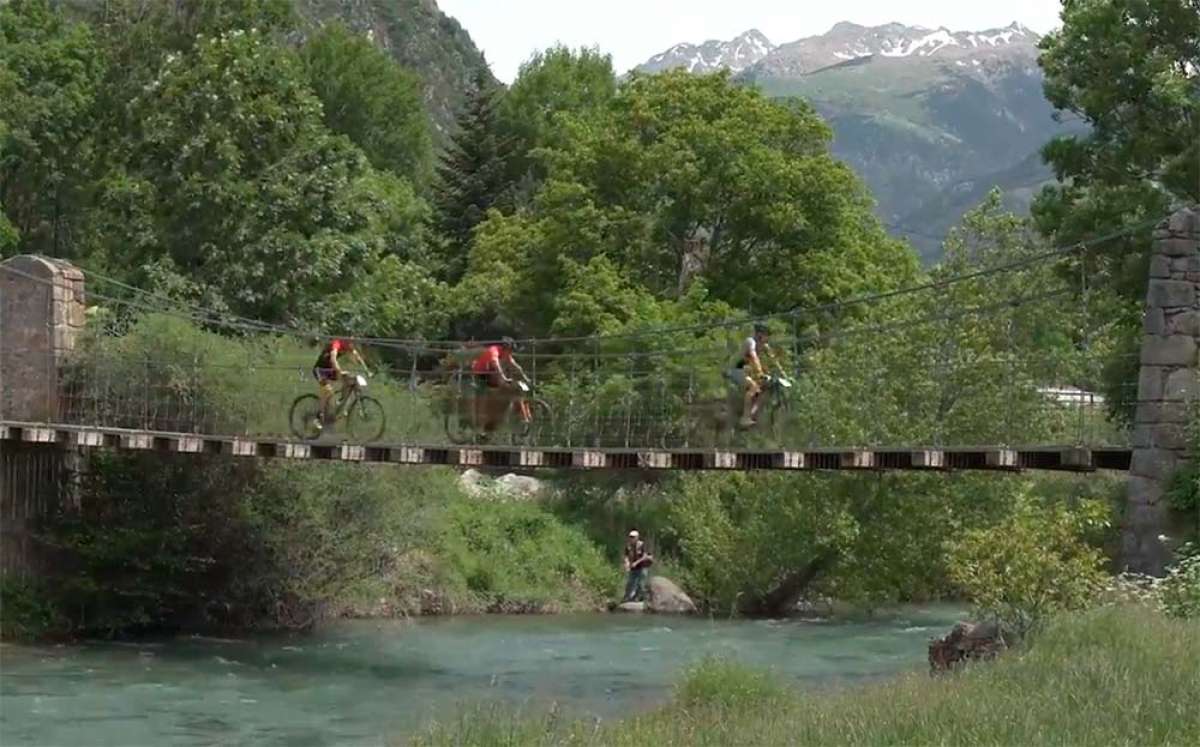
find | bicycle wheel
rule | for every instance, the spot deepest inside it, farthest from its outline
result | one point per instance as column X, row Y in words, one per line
column 456, row 429
column 778, row 417
column 539, row 424
column 305, row 417
column 366, row 420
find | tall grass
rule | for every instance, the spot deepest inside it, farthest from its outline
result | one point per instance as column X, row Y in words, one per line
column 1115, row 676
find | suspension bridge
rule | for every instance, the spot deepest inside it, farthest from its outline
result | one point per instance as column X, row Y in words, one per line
column 655, row 399
column 992, row 368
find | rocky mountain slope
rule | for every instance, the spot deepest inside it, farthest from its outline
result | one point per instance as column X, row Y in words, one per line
column 930, row 118
column 736, row 54
column 419, row 36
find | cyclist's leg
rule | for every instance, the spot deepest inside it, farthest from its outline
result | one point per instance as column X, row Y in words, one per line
column 324, row 391
column 759, row 388
column 742, row 381
column 479, row 392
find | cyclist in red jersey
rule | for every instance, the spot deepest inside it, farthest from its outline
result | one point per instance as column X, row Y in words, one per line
column 490, row 376
column 327, row 370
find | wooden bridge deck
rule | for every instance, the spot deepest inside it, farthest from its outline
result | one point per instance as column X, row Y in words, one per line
column 993, row 458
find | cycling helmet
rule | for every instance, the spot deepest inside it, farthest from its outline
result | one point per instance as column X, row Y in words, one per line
column 509, row 343
column 760, row 328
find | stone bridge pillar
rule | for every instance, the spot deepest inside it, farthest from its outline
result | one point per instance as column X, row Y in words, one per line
column 1167, row 389
column 41, row 315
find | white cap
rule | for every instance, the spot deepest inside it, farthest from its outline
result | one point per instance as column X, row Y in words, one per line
column 633, row 533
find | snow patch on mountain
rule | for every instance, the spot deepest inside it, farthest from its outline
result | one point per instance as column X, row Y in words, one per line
column 845, row 41
column 737, row 54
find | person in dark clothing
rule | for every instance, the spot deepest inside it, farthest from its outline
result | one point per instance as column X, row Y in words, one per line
column 637, row 564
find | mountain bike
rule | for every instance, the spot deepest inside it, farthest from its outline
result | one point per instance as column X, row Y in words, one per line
column 460, row 417
column 364, row 415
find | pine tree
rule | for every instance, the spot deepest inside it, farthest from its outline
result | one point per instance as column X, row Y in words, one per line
column 472, row 174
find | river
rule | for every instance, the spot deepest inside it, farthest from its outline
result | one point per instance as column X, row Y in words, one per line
column 368, row 682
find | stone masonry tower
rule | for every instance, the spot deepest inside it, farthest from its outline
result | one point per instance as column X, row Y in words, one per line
column 1168, row 389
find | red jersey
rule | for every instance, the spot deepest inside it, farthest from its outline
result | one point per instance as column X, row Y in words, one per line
column 325, row 359
column 487, row 360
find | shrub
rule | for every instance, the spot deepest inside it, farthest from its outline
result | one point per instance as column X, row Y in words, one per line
column 518, row 556
column 715, row 682
column 1179, row 591
column 1033, row 563
column 28, row 610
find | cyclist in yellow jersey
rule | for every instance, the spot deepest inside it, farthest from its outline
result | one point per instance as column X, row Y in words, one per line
column 748, row 372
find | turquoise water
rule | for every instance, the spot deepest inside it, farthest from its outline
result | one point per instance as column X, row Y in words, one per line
column 374, row 682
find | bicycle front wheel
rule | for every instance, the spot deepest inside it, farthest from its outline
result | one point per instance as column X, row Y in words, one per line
column 539, row 425
column 305, row 417
column 366, row 420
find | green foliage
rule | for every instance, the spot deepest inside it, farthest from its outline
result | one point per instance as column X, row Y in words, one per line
column 472, row 177
column 329, row 536
column 1128, row 68
column 674, row 159
column 28, row 609
column 9, row 237
column 249, row 197
column 185, row 542
column 418, row 36
column 519, row 557
column 152, row 543
column 49, row 70
column 738, row 538
column 553, row 85
column 1179, row 591
column 1183, row 491
column 1033, row 564
column 1047, row 693
column 370, row 99
column 725, row 685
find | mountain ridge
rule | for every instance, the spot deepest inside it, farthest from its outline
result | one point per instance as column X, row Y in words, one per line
column 737, row 54
column 926, row 117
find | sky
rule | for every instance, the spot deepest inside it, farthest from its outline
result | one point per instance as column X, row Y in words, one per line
column 509, row 31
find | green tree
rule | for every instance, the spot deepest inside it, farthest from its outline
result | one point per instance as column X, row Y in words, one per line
column 683, row 177
column 370, row 99
column 1131, row 70
column 1035, row 562
column 552, row 84
column 472, row 176
column 49, row 72
column 230, row 181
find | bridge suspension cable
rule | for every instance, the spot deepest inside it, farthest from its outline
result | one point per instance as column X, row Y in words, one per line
column 209, row 317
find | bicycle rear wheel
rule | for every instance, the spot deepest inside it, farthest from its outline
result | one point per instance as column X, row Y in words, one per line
column 366, row 420
column 305, row 417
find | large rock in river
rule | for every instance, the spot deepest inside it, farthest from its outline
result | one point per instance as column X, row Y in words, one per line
column 966, row 642
column 665, row 597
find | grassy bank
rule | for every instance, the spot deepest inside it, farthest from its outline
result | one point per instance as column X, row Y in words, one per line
column 1110, row 676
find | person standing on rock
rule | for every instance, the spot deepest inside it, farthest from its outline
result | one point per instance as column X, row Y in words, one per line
column 637, row 564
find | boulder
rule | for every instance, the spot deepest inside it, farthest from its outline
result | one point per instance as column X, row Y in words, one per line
column 478, row 485
column 630, row 607
column 966, row 642
column 520, row 486
column 473, row 482
column 665, row 597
